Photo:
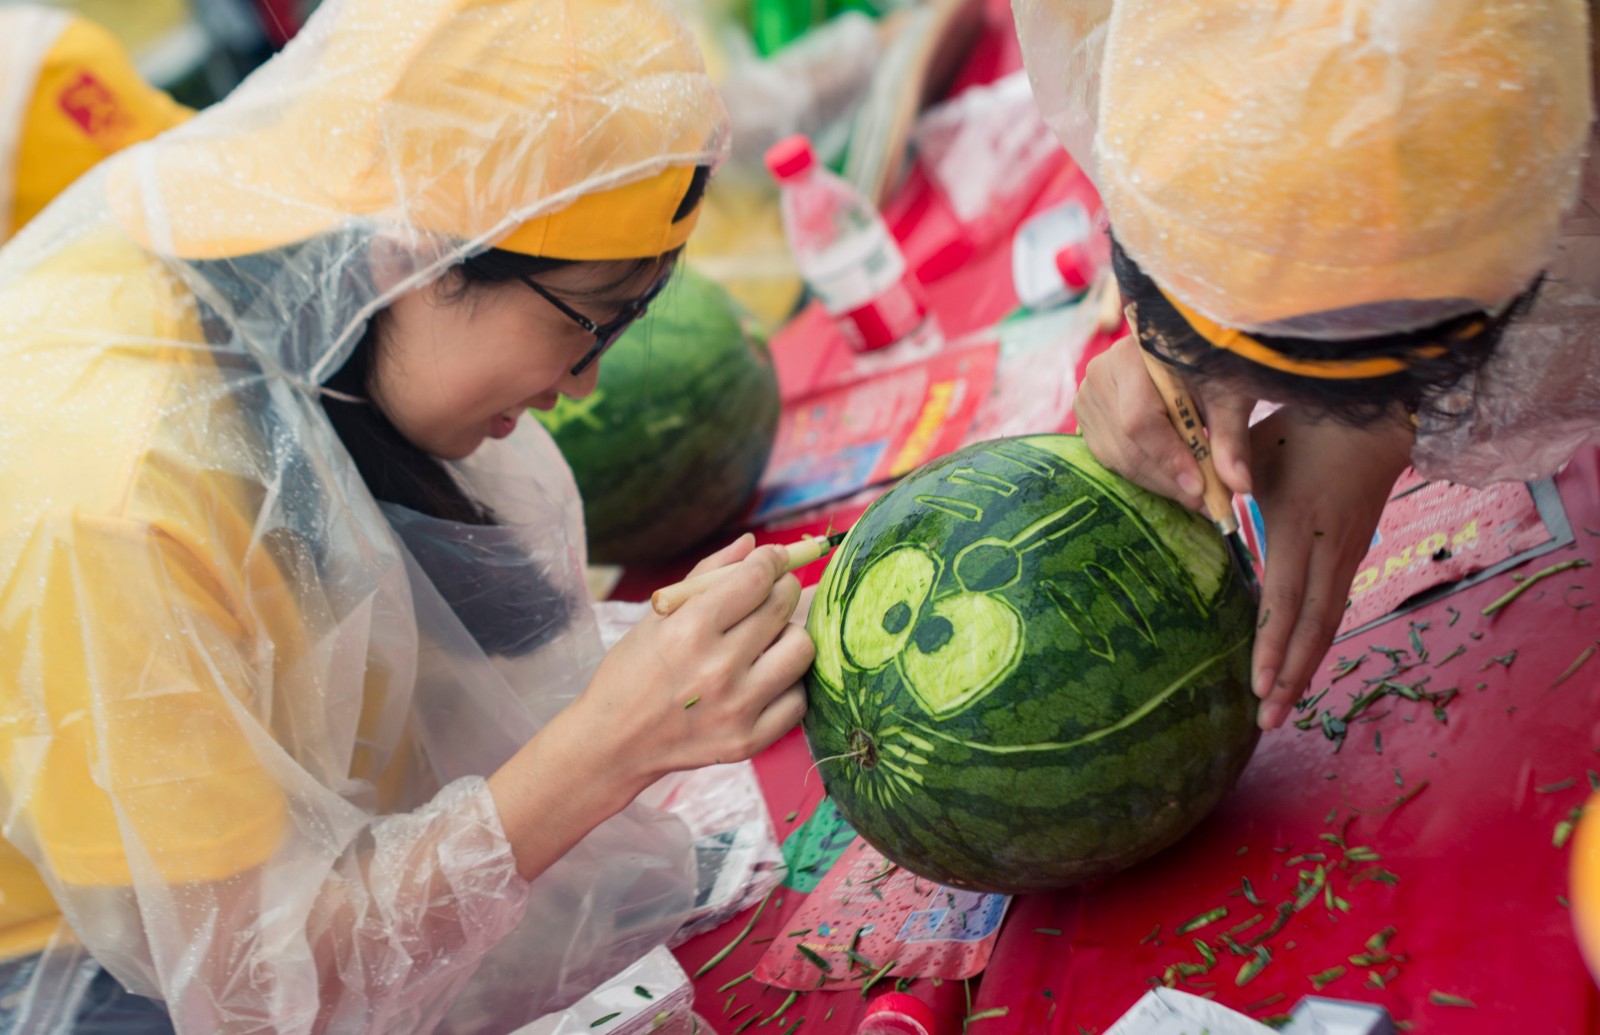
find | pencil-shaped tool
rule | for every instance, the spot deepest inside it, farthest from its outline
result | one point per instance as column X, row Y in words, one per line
column 1185, row 417
column 812, row 548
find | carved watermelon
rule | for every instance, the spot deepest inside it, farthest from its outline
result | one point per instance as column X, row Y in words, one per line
column 672, row 442
column 1029, row 672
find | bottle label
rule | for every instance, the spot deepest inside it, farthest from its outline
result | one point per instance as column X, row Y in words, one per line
column 892, row 315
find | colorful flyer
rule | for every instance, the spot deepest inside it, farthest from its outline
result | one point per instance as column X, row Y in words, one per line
column 870, row 920
column 1436, row 538
column 839, row 441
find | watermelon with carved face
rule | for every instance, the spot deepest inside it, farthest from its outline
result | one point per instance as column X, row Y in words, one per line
column 1029, row 671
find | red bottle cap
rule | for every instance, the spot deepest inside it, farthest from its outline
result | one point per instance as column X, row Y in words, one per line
column 790, row 157
column 898, row 1013
column 1073, row 263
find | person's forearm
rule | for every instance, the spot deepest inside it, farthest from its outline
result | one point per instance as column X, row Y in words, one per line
column 557, row 788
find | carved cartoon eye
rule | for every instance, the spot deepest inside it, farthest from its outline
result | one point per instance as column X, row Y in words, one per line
column 961, row 649
column 882, row 612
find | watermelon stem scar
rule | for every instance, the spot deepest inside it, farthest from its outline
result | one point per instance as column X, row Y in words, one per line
column 1155, row 701
column 862, row 748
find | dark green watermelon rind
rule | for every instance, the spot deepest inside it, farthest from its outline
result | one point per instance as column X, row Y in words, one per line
column 1181, row 531
column 694, row 455
column 992, row 820
column 732, row 438
column 1131, row 777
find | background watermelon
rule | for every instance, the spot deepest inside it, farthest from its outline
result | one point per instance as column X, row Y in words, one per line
column 670, row 446
column 1029, row 672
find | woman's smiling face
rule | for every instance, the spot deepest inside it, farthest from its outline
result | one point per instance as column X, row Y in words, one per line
column 456, row 365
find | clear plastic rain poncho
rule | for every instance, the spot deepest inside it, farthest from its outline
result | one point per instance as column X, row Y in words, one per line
column 245, row 710
column 1342, row 168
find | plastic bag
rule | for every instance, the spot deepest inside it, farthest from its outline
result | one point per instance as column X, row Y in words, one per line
column 736, row 851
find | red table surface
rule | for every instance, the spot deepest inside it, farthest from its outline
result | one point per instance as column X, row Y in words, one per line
column 1476, row 902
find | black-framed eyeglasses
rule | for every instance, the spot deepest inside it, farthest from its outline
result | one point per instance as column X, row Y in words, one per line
column 605, row 334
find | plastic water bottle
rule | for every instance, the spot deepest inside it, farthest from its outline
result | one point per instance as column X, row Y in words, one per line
column 846, row 254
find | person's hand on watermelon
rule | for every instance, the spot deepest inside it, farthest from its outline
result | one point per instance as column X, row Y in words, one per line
column 1125, row 425
column 718, row 680
column 1321, row 486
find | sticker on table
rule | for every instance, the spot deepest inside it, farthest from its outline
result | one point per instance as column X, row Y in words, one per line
column 969, row 916
column 870, row 922
column 815, row 845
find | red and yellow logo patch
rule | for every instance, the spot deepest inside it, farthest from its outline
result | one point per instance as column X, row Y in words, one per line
column 97, row 110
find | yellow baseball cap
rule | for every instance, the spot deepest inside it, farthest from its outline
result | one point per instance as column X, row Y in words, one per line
column 1389, row 163
column 569, row 129
column 88, row 102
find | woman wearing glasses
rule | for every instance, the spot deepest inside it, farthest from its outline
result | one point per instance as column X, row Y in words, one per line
column 306, row 723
